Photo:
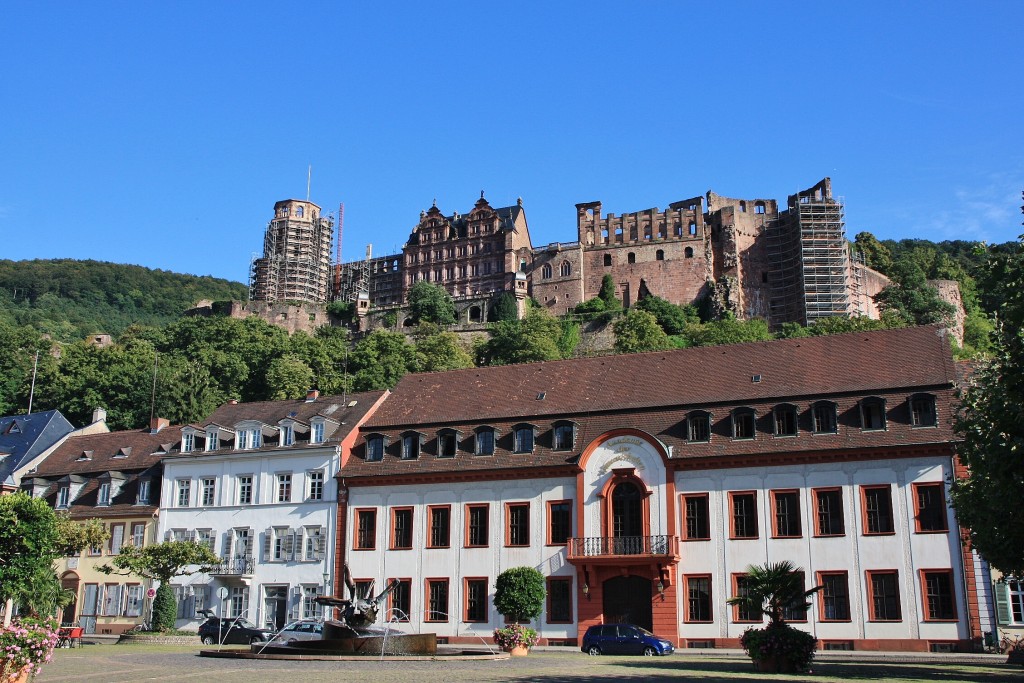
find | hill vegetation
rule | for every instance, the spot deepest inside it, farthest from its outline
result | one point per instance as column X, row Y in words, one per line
column 200, row 363
column 69, row 299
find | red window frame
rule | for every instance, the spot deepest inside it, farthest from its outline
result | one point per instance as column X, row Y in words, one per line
column 869, row 575
column 428, row 612
column 392, row 615
column 737, row 577
column 466, row 595
column 684, row 528
column 487, row 528
column 687, row 612
column 567, row 581
column 412, row 519
column 430, row 526
column 793, row 494
column 509, row 507
column 925, row 610
column 820, row 576
column 733, row 495
column 550, row 526
column 356, row 523
column 817, row 515
column 918, row 508
column 864, row 489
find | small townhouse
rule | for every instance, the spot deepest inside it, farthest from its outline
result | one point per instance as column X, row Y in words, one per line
column 24, row 440
column 256, row 482
column 642, row 486
column 113, row 477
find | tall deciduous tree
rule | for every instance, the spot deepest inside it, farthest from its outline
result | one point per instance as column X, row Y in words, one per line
column 534, row 338
column 639, row 331
column 991, row 424
column 431, row 303
column 381, row 359
column 163, row 562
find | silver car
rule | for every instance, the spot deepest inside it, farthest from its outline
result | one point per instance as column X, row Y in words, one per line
column 306, row 629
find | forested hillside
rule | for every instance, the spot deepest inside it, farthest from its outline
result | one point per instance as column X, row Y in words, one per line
column 200, row 362
column 69, row 299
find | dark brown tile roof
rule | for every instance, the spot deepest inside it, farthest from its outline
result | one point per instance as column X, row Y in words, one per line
column 848, row 363
column 103, row 449
column 271, row 412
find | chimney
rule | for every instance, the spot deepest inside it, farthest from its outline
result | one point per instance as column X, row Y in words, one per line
column 158, row 423
column 312, row 395
column 99, row 415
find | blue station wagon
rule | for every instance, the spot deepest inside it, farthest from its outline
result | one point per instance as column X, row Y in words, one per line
column 624, row 639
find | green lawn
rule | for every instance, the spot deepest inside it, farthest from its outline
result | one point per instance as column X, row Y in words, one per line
column 116, row 663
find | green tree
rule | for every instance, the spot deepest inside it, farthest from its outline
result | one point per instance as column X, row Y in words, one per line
column 876, row 255
column 288, row 376
column 441, row 351
column 607, row 294
column 911, row 297
column 519, row 593
column 32, row 536
column 431, row 303
column 639, row 331
column 772, row 589
column 672, row 318
column 163, row 562
column 989, row 422
column 728, row 330
column 380, row 359
column 504, row 308
column 534, row 338
column 838, row 324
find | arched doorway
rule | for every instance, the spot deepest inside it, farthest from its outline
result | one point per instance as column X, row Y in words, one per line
column 627, row 599
column 69, row 581
column 627, row 519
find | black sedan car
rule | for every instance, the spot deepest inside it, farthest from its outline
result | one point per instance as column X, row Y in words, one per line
column 237, row 631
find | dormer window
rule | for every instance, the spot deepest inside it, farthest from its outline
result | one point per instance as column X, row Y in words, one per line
column 872, row 414
column 743, row 423
column 375, row 448
column 212, row 439
column 287, row 435
column 316, row 434
column 523, row 438
column 188, row 442
column 411, row 442
column 698, row 427
column 144, row 490
column 922, row 410
column 785, row 420
column 249, row 438
column 484, row 441
column 564, row 436
column 447, row 443
column 103, row 497
column 63, row 497
column 823, row 416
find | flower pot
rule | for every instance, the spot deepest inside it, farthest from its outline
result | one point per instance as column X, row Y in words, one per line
column 517, row 650
column 774, row 665
column 23, row 676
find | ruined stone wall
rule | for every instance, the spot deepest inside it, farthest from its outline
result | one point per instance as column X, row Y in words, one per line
column 291, row 317
column 949, row 291
column 556, row 280
column 674, row 270
column 865, row 285
column 737, row 230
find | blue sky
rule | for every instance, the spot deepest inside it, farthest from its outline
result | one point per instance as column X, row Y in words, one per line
column 162, row 133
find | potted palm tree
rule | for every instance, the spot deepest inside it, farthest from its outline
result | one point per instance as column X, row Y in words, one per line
column 772, row 590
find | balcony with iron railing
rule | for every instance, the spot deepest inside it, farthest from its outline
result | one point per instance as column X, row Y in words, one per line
column 234, row 566
column 623, row 548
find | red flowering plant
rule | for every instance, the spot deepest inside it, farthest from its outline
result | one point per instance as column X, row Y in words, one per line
column 515, row 635
column 26, row 644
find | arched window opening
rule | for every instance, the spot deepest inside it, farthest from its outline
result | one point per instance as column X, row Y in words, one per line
column 566, row 269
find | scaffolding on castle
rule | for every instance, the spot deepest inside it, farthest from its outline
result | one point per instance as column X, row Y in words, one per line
column 823, row 258
column 296, row 261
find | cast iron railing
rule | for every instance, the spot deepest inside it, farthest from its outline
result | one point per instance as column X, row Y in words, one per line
column 235, row 566
column 597, row 546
